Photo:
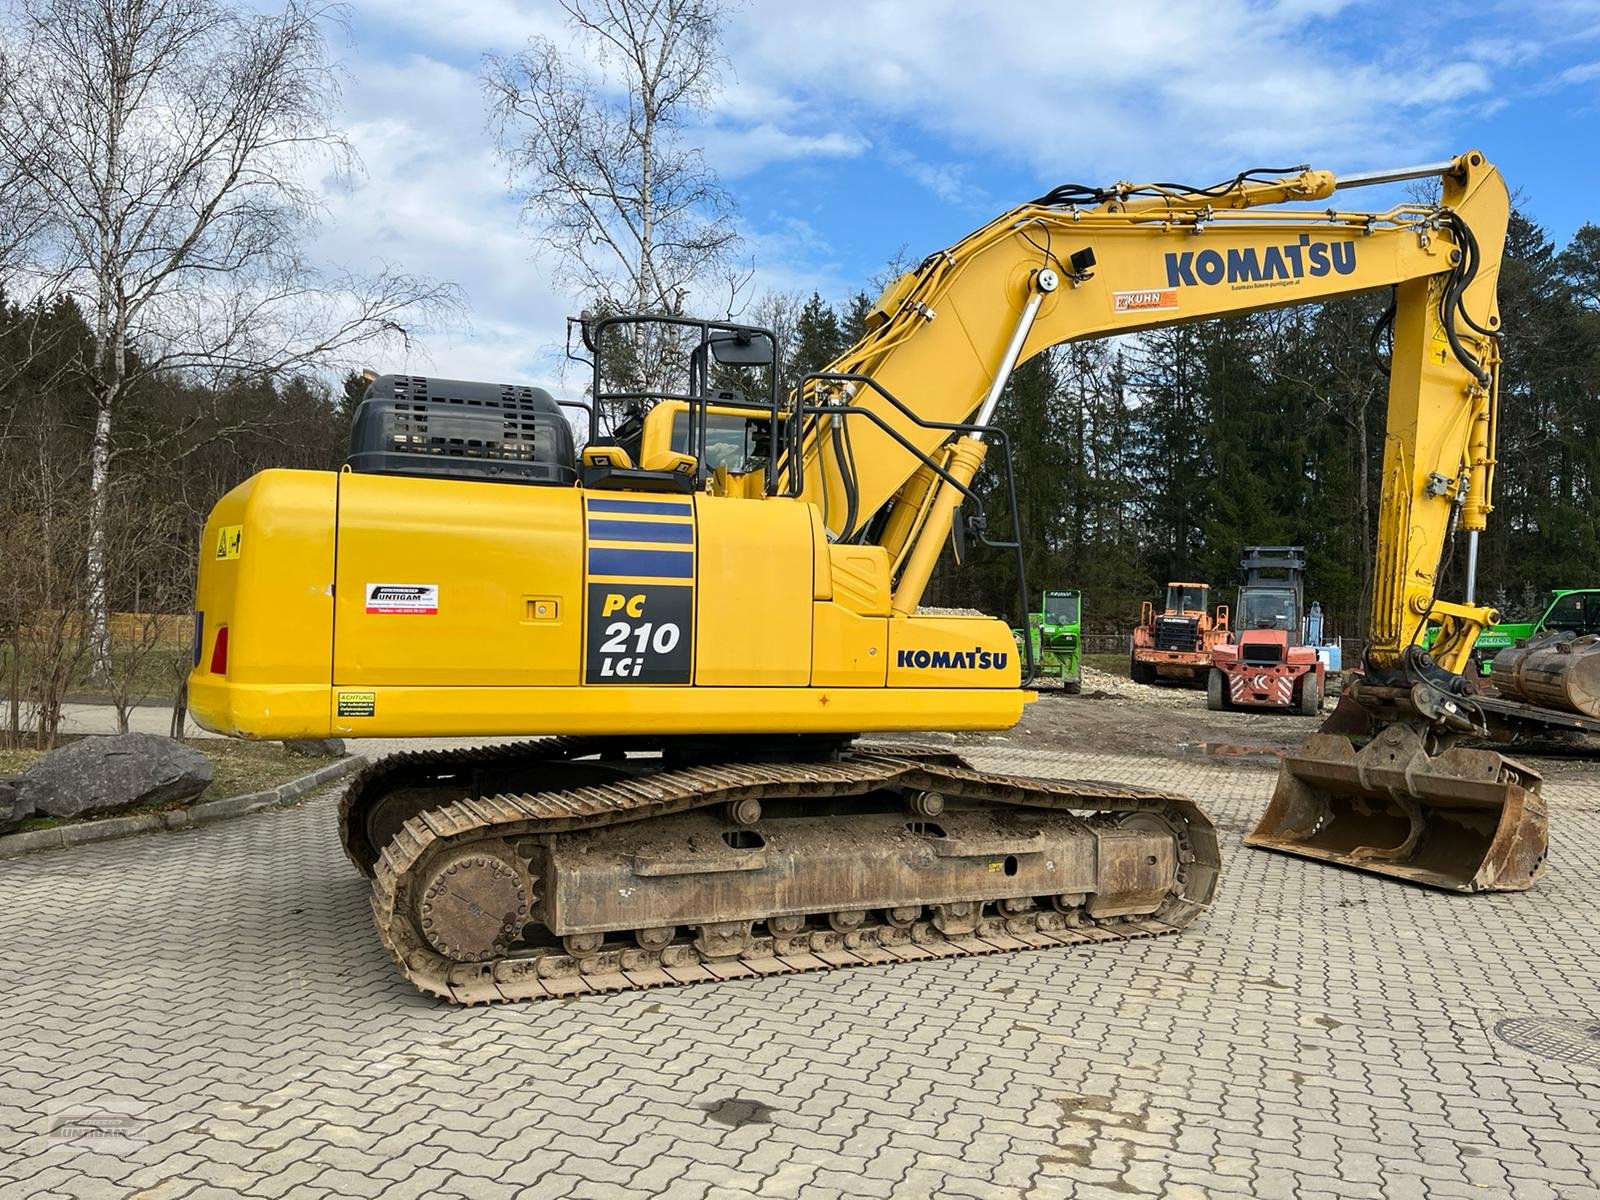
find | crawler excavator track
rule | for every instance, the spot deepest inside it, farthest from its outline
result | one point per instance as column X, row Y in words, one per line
column 566, row 867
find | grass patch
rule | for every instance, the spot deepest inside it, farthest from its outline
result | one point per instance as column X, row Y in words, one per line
column 241, row 767
column 15, row 762
column 1111, row 664
column 238, row 768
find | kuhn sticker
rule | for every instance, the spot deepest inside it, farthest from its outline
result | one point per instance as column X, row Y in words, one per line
column 403, row 599
column 1151, row 300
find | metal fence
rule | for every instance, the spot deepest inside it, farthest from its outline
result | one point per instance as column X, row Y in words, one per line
column 1350, row 649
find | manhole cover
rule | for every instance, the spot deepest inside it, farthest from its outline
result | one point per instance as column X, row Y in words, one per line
column 1560, row 1038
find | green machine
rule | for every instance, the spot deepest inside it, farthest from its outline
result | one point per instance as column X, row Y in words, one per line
column 1055, row 633
column 1574, row 609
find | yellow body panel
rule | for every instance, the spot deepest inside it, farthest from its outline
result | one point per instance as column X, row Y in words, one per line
column 259, row 711
column 951, row 652
column 851, row 650
column 487, row 550
column 273, row 586
column 755, row 617
column 860, row 577
column 457, row 608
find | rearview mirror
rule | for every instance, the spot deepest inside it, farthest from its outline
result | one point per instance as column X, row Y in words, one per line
column 733, row 349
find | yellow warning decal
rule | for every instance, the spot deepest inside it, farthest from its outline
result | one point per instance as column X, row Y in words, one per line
column 229, row 539
column 358, row 704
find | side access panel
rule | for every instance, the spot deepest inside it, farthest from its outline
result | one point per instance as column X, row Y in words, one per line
column 756, row 582
column 952, row 652
column 447, row 583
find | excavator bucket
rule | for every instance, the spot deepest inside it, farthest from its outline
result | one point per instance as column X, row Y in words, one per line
column 1465, row 820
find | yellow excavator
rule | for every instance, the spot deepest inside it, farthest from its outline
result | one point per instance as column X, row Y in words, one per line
column 702, row 611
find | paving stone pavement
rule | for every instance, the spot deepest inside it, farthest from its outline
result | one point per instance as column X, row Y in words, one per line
column 1318, row 1034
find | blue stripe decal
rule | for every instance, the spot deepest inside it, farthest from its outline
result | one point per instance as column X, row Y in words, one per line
column 652, row 508
column 656, row 564
column 640, row 531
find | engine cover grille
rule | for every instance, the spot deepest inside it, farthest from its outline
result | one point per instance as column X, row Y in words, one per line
column 1177, row 633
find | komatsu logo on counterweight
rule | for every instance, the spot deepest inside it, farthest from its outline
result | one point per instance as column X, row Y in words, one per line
column 964, row 660
column 1295, row 260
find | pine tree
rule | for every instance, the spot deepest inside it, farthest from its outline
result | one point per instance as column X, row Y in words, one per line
column 818, row 337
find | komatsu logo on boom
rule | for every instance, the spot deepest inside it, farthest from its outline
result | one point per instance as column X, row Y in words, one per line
column 1295, row 260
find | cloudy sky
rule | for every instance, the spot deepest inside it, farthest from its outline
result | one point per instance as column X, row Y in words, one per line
column 847, row 130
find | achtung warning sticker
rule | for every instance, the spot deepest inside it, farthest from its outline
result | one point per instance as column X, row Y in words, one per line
column 230, row 539
column 358, row 704
column 403, row 599
column 1151, row 300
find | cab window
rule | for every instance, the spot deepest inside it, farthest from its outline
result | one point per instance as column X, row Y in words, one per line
column 1061, row 610
column 1186, row 599
column 1268, row 610
column 1579, row 613
column 728, row 440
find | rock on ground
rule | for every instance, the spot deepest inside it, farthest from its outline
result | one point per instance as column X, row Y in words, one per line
column 105, row 774
column 12, row 811
column 316, row 747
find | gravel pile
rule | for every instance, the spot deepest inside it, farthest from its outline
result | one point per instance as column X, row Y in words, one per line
column 1123, row 688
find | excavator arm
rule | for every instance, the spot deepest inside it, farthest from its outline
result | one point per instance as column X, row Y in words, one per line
column 1082, row 263
column 1077, row 264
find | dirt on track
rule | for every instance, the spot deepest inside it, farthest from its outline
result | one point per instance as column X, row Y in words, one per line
column 1114, row 715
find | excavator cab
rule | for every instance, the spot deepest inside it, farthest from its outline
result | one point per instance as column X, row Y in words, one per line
column 670, row 408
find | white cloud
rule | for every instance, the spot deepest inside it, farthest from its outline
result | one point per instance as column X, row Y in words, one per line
column 1110, row 90
column 940, row 91
column 1582, row 73
column 433, row 200
column 736, row 151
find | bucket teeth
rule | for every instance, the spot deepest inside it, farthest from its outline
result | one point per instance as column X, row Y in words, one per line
column 1464, row 820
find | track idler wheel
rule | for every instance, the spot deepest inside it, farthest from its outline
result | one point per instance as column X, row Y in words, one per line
column 958, row 919
column 658, row 938
column 724, row 939
column 473, row 902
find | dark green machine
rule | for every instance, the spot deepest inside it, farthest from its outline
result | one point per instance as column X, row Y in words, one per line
column 1056, row 633
column 1572, row 609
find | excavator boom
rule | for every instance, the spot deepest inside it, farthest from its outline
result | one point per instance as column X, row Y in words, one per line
column 1081, row 263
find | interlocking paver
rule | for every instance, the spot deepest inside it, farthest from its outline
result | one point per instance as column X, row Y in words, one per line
column 1319, row 1033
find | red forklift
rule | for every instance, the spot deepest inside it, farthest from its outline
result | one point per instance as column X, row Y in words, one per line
column 1268, row 663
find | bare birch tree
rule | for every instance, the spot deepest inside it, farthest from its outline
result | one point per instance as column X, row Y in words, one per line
column 637, row 219
column 166, row 143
